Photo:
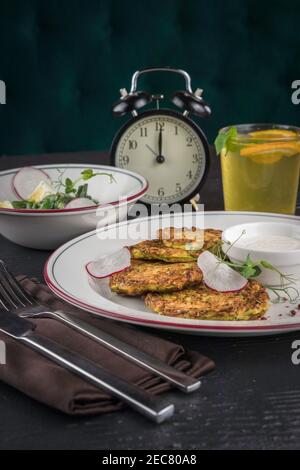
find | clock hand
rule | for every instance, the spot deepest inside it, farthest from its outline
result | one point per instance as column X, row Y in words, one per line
column 160, row 158
column 151, row 150
column 160, row 142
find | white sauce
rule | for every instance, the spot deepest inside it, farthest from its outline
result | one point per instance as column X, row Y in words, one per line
column 269, row 243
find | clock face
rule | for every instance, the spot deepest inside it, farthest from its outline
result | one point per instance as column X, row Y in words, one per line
column 167, row 149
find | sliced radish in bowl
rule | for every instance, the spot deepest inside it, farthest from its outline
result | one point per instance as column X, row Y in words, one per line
column 219, row 276
column 27, row 179
column 109, row 264
column 80, row 202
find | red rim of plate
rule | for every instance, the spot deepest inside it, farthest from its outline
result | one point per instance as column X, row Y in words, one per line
column 79, row 303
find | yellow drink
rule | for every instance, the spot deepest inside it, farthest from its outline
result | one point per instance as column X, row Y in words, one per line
column 260, row 168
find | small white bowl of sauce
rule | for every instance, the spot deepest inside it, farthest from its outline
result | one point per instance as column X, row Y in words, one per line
column 277, row 243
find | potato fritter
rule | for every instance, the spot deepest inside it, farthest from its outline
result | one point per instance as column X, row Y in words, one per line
column 142, row 277
column 174, row 250
column 203, row 303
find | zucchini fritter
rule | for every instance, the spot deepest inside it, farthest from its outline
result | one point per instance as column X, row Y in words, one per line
column 155, row 250
column 174, row 250
column 203, row 303
column 142, row 277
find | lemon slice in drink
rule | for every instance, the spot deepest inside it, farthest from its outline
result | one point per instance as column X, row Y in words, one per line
column 273, row 134
column 270, row 152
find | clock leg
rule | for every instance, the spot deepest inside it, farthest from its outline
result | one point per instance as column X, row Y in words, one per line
column 195, row 201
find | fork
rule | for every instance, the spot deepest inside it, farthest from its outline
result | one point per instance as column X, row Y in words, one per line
column 155, row 408
column 15, row 299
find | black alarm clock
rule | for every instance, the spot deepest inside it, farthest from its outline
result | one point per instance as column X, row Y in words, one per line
column 165, row 146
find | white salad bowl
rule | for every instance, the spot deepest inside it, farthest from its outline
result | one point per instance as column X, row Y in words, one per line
column 276, row 243
column 47, row 229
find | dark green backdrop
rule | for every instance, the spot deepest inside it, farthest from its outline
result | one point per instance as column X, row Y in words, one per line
column 64, row 61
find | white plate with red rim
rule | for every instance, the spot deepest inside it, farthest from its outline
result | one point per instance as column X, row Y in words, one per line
column 66, row 276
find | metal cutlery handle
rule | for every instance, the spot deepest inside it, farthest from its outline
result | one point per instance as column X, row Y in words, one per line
column 177, row 378
column 151, row 407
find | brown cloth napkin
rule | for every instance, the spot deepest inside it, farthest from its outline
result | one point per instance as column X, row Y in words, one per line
column 49, row 383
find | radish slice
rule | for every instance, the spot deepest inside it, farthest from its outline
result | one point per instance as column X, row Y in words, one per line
column 219, row 276
column 109, row 264
column 80, row 202
column 27, row 179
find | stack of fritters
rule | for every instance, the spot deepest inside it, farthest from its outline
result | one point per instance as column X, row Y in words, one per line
column 165, row 272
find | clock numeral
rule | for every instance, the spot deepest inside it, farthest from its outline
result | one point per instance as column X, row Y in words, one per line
column 189, row 141
column 189, row 175
column 132, row 144
column 176, row 130
column 161, row 192
column 124, row 160
column 196, row 158
column 178, row 187
column 159, row 126
column 143, row 132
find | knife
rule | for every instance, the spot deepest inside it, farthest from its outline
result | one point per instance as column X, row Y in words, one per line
column 23, row 331
column 177, row 378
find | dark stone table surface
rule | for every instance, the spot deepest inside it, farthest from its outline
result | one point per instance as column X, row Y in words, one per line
column 251, row 400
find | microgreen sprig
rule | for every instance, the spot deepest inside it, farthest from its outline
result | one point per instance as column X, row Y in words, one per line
column 69, row 185
column 288, row 292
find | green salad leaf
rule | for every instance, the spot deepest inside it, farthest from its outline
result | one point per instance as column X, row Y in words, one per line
column 82, row 191
column 21, row 204
column 69, row 186
column 87, row 174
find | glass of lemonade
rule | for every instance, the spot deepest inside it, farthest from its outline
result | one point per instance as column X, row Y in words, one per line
column 260, row 167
